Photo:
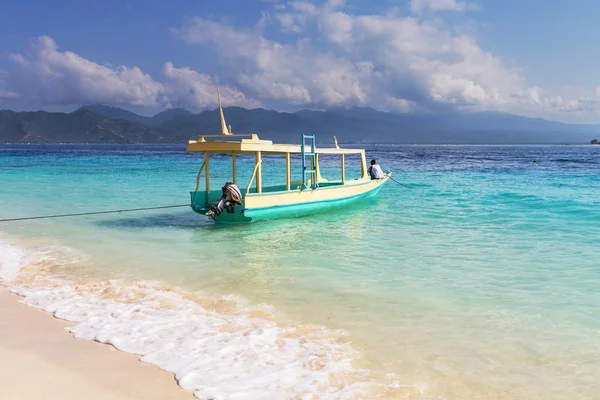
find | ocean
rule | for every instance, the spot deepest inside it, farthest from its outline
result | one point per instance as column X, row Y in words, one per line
column 478, row 278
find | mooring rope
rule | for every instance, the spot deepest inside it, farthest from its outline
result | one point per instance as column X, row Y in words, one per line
column 92, row 213
column 401, row 184
column 121, row 211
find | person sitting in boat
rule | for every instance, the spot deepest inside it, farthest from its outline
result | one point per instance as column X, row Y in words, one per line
column 231, row 197
column 375, row 170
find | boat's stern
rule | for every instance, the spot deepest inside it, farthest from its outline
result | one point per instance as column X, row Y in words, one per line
column 201, row 202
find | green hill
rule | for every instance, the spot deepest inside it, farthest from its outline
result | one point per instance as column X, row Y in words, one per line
column 81, row 126
column 115, row 113
column 102, row 124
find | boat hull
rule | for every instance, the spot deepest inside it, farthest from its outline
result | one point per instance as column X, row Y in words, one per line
column 296, row 203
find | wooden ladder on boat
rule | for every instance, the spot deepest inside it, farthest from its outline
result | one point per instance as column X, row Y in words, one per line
column 311, row 172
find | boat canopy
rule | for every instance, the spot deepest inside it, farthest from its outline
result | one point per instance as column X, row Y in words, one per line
column 253, row 144
column 249, row 143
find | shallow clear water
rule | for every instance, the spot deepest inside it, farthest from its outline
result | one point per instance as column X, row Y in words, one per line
column 479, row 280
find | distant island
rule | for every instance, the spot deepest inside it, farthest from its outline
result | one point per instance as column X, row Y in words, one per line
column 104, row 124
column 594, row 141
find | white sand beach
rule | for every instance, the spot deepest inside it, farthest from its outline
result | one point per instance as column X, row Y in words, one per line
column 42, row 360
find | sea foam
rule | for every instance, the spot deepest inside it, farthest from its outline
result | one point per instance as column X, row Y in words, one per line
column 217, row 347
column 12, row 259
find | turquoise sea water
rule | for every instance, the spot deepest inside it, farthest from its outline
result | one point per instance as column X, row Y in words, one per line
column 480, row 280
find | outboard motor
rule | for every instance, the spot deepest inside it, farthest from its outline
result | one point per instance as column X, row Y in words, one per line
column 231, row 197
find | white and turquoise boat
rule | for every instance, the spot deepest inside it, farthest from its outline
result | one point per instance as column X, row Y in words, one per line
column 310, row 195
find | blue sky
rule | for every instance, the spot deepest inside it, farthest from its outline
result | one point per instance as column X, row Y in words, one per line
column 535, row 58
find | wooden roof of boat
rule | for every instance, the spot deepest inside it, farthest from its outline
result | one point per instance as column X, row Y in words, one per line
column 253, row 144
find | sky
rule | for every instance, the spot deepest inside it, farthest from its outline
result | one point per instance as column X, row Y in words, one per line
column 534, row 58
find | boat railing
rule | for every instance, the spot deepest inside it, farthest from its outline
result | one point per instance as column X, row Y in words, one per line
column 253, row 176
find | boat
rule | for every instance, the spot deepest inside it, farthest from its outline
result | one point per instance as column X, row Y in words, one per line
column 310, row 195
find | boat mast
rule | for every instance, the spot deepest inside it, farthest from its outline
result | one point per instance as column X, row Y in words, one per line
column 224, row 130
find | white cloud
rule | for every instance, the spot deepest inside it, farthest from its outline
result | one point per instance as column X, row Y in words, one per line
column 293, row 73
column 5, row 94
column 389, row 62
column 304, row 7
column 63, row 77
column 398, row 105
column 534, row 92
column 264, row 20
column 555, row 104
column 19, row 59
column 190, row 88
column 336, row 26
column 67, row 78
column 296, row 20
column 419, row 62
column 418, row 6
column 332, row 4
column 385, row 61
column 288, row 22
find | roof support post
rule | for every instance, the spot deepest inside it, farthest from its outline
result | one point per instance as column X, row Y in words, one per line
column 363, row 166
column 233, row 167
column 288, row 171
column 207, row 171
column 343, row 168
column 313, row 168
column 317, row 173
column 259, row 172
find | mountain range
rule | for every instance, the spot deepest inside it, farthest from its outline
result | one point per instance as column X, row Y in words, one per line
column 104, row 124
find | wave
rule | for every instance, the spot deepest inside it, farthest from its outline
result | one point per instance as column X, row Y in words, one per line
column 217, row 347
column 12, row 259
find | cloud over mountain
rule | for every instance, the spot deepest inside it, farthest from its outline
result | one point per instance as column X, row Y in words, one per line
column 5, row 94
column 387, row 61
column 189, row 88
column 63, row 77
column 307, row 54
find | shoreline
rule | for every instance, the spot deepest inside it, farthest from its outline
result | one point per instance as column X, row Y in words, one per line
column 36, row 347
column 215, row 346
